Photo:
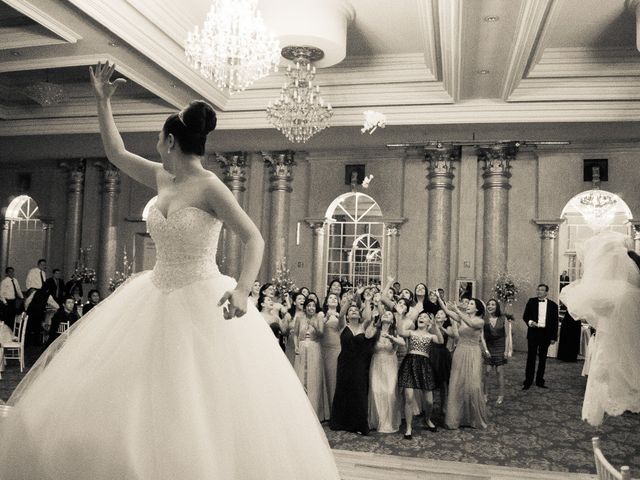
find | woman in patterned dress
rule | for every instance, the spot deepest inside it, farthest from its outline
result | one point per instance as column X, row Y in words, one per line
column 495, row 334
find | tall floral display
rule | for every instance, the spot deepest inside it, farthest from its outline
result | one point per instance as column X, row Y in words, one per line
column 282, row 280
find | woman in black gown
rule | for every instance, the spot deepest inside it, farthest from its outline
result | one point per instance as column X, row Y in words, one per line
column 569, row 344
column 350, row 408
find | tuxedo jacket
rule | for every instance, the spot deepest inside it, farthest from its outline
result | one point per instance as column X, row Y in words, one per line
column 550, row 331
column 55, row 288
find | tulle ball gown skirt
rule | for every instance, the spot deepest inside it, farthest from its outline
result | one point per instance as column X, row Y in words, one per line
column 155, row 385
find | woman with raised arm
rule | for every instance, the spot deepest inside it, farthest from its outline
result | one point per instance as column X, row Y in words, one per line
column 163, row 381
column 465, row 401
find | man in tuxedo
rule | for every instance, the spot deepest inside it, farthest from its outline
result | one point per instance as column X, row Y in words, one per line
column 37, row 276
column 541, row 317
column 10, row 297
column 55, row 286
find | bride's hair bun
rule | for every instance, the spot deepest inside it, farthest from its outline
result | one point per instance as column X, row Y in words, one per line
column 199, row 117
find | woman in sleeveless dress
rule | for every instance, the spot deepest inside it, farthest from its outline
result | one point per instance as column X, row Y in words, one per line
column 465, row 402
column 290, row 320
column 495, row 338
column 384, row 400
column 308, row 363
column 161, row 381
column 415, row 373
column 334, row 322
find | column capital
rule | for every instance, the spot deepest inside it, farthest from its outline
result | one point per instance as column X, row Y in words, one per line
column 440, row 160
column 235, row 166
column 281, row 164
column 316, row 224
column 549, row 228
column 635, row 225
column 496, row 167
column 75, row 170
column 392, row 226
column 110, row 177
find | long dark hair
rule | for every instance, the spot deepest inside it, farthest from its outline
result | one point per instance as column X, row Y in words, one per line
column 191, row 126
column 393, row 328
column 325, row 307
column 480, row 307
column 498, row 309
column 294, row 297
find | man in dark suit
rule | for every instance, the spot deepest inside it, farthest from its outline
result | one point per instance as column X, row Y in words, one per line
column 55, row 286
column 541, row 317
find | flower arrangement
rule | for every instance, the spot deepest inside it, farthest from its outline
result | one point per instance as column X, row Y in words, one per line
column 121, row 276
column 82, row 272
column 506, row 290
column 373, row 120
column 282, row 280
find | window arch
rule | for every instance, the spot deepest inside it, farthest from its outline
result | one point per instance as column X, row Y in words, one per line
column 354, row 248
column 580, row 225
column 26, row 239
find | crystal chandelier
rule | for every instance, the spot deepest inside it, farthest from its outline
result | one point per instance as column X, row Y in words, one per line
column 45, row 93
column 234, row 48
column 300, row 112
column 596, row 206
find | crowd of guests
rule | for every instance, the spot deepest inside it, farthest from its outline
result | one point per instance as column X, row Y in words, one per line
column 49, row 301
column 369, row 357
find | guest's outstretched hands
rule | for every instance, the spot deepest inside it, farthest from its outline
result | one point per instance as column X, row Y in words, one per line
column 237, row 303
column 103, row 87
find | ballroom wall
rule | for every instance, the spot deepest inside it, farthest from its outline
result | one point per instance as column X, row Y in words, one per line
column 542, row 182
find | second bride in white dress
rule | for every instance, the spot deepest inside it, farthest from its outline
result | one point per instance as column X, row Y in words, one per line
column 159, row 381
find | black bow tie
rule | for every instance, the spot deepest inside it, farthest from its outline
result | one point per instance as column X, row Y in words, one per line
column 541, row 300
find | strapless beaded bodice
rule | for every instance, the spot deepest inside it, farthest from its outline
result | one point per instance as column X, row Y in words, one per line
column 186, row 244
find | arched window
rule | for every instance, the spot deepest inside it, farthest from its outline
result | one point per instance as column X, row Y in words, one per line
column 26, row 241
column 354, row 246
column 584, row 214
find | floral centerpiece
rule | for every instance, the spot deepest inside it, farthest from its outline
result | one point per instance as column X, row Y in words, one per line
column 82, row 272
column 121, row 276
column 282, row 280
column 506, row 290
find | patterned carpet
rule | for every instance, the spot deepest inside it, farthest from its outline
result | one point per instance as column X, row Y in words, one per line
column 538, row 429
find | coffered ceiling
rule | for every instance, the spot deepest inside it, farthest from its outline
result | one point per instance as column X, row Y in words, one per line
column 424, row 63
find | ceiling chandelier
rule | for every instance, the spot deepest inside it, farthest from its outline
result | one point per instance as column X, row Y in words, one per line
column 300, row 112
column 597, row 207
column 45, row 93
column 234, row 48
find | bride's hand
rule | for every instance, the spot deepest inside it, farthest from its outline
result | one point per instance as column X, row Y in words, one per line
column 100, row 79
column 237, row 306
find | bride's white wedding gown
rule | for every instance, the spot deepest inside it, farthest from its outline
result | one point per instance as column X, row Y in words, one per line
column 155, row 384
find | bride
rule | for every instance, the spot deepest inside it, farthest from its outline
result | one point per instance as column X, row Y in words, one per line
column 608, row 297
column 160, row 381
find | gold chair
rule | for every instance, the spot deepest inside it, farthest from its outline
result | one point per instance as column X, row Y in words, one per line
column 605, row 470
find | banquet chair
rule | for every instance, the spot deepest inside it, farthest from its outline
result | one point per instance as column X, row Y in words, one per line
column 15, row 350
column 17, row 324
column 63, row 327
column 605, row 470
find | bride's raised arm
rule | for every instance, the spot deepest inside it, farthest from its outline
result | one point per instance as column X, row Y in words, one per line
column 138, row 168
column 221, row 201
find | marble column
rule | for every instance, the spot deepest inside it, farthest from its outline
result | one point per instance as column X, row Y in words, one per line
column 391, row 257
column 549, row 251
column 4, row 244
column 73, row 228
column 440, row 184
column 318, row 276
column 496, row 187
column 108, row 226
column 234, row 165
column 281, row 166
column 635, row 232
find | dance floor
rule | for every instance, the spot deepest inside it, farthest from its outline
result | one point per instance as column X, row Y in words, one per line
column 538, row 430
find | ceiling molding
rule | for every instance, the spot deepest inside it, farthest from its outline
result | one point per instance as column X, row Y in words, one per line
column 166, row 17
column 532, row 18
column 467, row 112
column 450, row 23
column 587, row 62
column 43, row 18
column 126, row 22
column 12, row 38
column 428, row 23
column 553, row 16
column 581, row 89
column 369, row 95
